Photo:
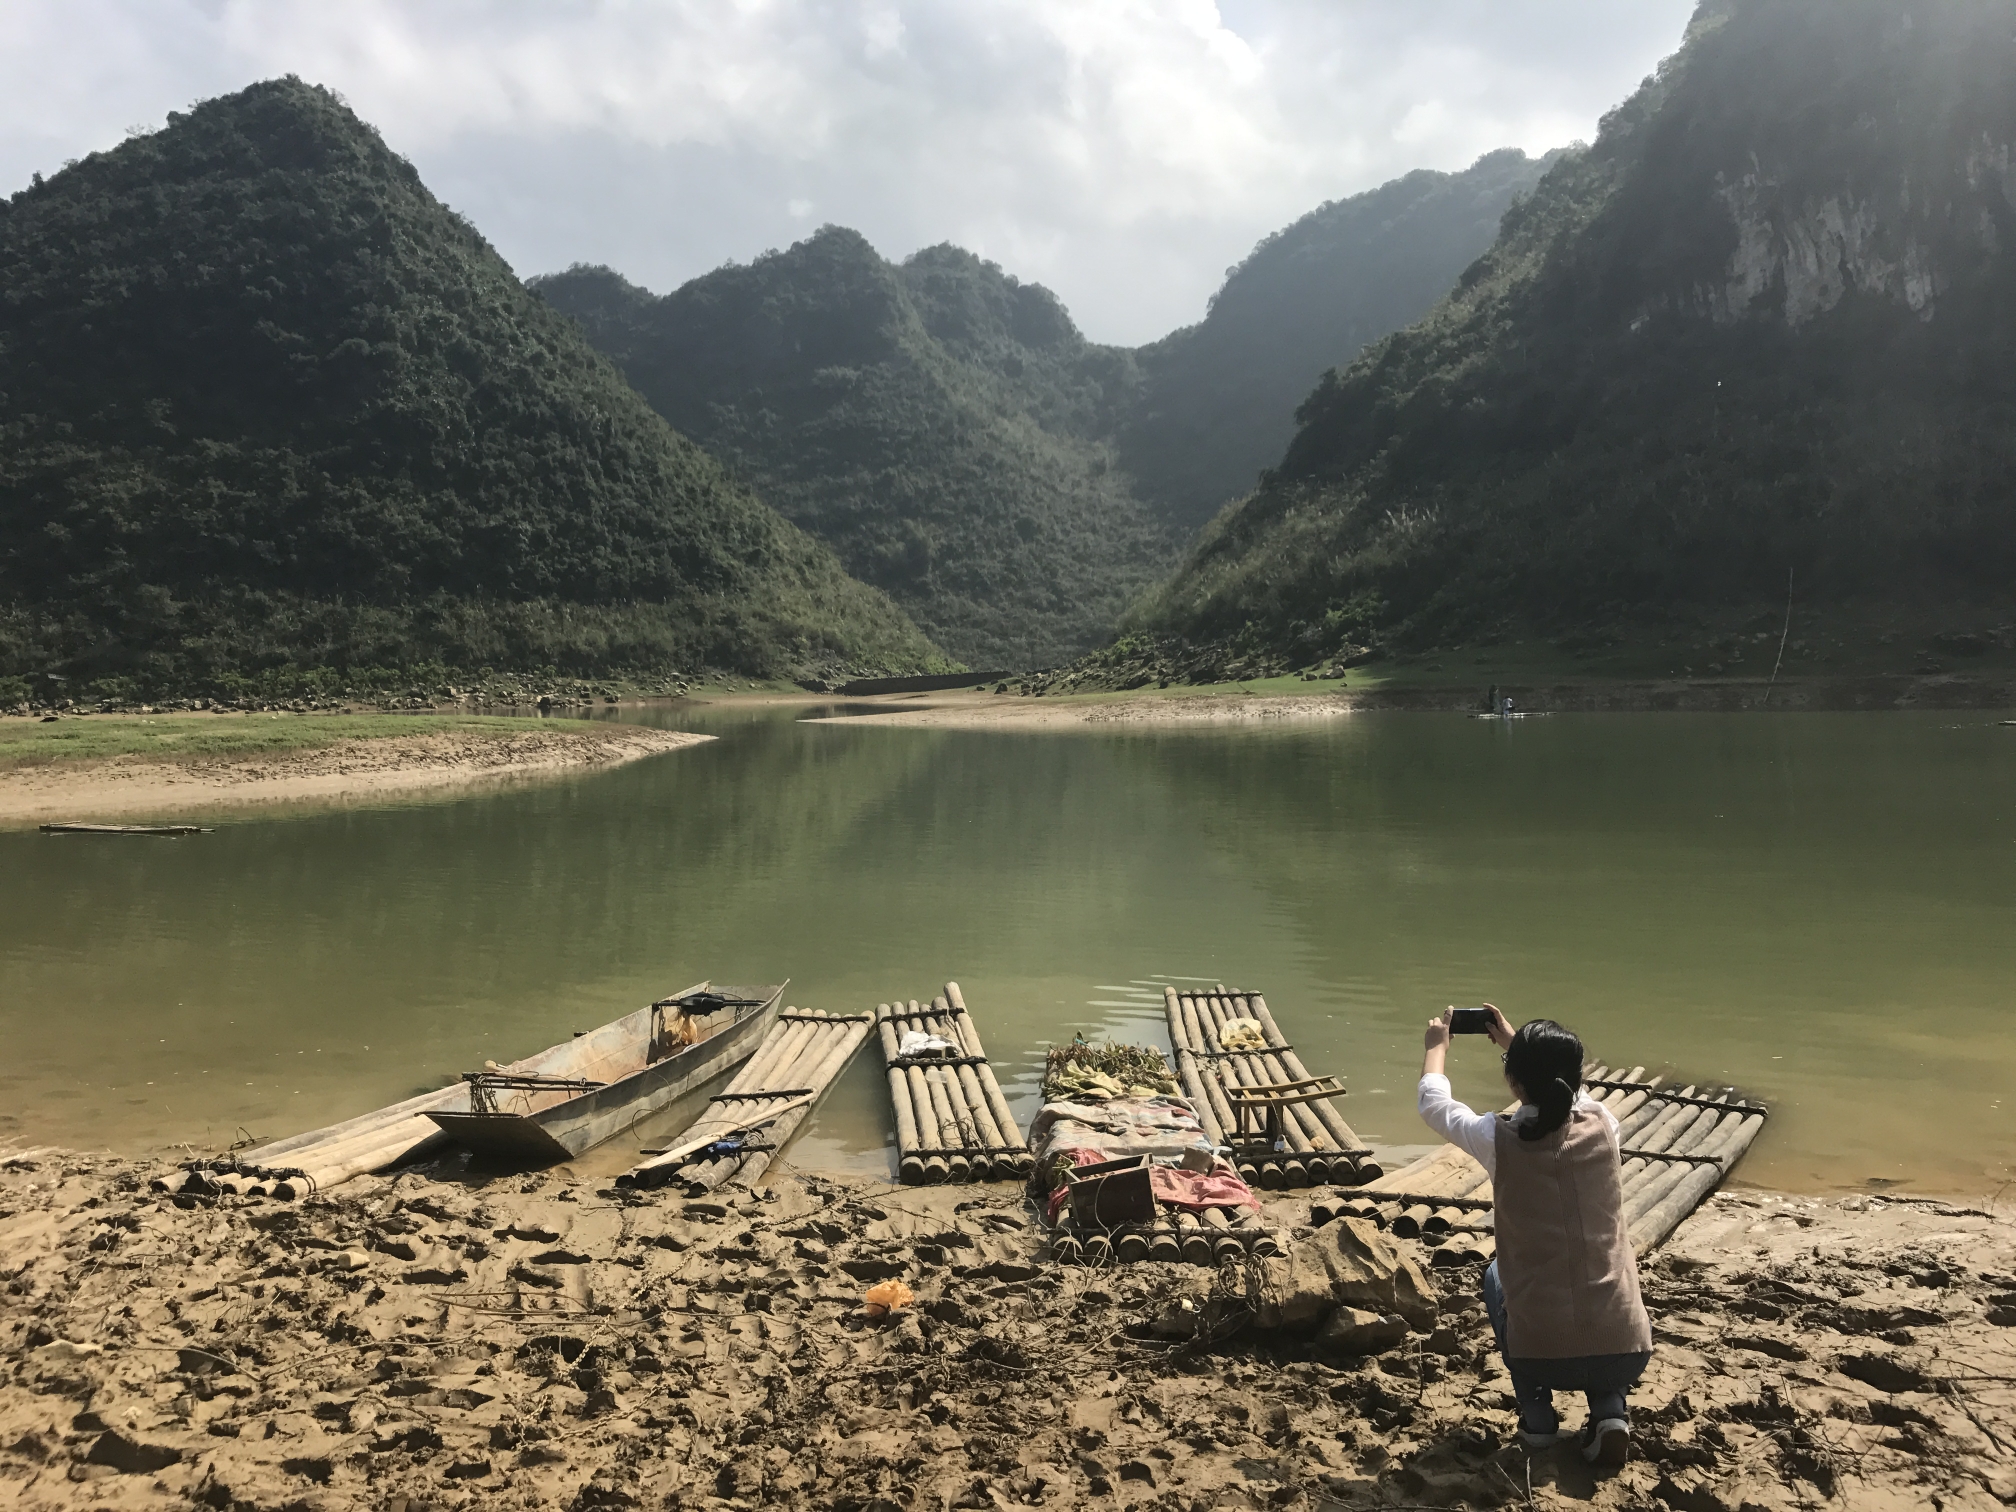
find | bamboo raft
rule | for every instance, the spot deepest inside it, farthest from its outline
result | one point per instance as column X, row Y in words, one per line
column 1319, row 1145
column 1677, row 1148
column 1176, row 1236
column 756, row 1115
column 559, row 1102
column 952, row 1123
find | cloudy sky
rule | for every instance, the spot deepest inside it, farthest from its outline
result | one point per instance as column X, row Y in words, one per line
column 1124, row 152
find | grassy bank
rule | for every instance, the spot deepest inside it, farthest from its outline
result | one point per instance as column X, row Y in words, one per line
column 83, row 740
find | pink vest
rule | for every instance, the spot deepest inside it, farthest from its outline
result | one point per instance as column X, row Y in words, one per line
column 1564, row 1257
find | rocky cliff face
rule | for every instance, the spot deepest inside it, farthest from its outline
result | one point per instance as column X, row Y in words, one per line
column 1765, row 322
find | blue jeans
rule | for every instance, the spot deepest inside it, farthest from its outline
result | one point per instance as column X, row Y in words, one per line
column 1603, row 1379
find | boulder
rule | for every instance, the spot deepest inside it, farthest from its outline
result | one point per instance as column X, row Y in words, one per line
column 1354, row 1331
column 1348, row 1264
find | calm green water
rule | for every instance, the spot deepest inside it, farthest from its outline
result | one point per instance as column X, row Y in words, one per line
column 1817, row 908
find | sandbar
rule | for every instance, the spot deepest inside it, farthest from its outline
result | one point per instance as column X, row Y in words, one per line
column 127, row 787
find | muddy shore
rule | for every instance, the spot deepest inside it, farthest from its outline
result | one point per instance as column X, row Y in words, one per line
column 533, row 1341
column 983, row 710
column 122, row 787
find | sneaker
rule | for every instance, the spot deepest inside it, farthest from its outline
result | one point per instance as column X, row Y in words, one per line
column 1539, row 1441
column 1607, row 1444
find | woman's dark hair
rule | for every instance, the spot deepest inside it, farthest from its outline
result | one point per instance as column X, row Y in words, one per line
column 1546, row 1061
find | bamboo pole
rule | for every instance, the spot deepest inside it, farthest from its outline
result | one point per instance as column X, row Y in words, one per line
column 1195, row 1243
column 1211, row 1019
column 841, row 1049
column 1653, row 1226
column 975, row 1097
column 1223, row 1245
column 1346, row 1138
column 909, row 1136
column 1207, row 1091
column 1666, row 1175
column 1182, row 1047
column 1162, row 1242
column 1064, row 1248
column 1098, row 1248
column 1284, row 1065
column 1132, row 1245
column 956, row 1166
column 1259, row 1070
column 1022, row 1162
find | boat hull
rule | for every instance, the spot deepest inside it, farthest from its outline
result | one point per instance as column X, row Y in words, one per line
column 579, row 1123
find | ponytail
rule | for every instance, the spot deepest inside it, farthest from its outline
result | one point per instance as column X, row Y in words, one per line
column 1546, row 1061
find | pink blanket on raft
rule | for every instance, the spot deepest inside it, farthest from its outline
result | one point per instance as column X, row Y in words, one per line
column 1194, row 1190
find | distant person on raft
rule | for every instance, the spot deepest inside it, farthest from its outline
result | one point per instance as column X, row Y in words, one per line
column 1563, row 1292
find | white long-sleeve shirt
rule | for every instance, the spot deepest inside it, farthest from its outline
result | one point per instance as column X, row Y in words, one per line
column 1475, row 1133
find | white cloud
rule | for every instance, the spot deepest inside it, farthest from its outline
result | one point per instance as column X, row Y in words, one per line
column 1122, row 151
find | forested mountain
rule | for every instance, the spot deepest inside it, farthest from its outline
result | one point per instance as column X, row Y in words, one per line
column 1764, row 325
column 952, row 435
column 1217, row 400
column 265, row 402
column 942, row 426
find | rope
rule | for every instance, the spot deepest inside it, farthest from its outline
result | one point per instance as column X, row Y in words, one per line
column 825, row 1018
column 1669, row 1155
column 1228, row 1054
column 1692, row 1102
column 761, row 1096
column 907, row 1016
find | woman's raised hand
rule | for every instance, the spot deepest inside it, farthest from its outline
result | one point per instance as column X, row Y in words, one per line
column 1501, row 1029
column 1437, row 1037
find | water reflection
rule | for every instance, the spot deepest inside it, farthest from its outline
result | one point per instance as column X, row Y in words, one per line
column 1815, row 907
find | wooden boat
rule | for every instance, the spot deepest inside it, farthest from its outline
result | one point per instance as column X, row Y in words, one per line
column 554, row 1105
column 124, row 829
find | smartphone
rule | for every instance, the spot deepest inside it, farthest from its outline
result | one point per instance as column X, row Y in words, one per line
column 1471, row 1021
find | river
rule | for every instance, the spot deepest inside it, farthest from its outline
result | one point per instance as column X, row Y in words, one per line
column 1816, row 908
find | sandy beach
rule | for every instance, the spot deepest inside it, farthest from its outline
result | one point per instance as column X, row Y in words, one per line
column 125, row 787
column 1271, row 703
column 438, row 1341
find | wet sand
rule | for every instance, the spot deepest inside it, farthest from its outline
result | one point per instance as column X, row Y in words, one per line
column 1177, row 707
column 126, row 787
column 545, row 1341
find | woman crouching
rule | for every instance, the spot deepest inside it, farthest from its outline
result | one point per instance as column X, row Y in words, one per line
column 1563, row 1292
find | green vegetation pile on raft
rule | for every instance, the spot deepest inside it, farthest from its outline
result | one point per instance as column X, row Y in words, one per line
column 1764, row 324
column 266, row 403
